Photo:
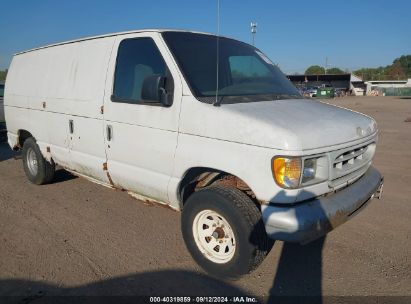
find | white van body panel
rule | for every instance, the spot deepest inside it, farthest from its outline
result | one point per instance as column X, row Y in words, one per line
column 62, row 76
column 280, row 124
column 49, row 87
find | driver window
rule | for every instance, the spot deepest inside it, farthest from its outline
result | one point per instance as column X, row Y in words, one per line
column 136, row 59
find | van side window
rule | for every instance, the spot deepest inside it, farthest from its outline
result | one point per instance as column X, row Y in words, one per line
column 137, row 59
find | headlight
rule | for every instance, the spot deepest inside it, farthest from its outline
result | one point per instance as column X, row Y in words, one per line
column 287, row 171
column 310, row 168
column 293, row 172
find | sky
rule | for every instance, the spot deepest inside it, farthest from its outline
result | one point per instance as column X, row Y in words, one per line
column 294, row 34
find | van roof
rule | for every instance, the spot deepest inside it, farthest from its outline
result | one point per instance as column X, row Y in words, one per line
column 110, row 35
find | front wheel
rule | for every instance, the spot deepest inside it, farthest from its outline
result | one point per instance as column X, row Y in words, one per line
column 224, row 232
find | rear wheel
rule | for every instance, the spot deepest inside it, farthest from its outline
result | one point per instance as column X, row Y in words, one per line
column 38, row 170
column 224, row 232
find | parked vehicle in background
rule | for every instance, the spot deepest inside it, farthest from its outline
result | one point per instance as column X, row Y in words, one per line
column 2, row 119
column 247, row 163
column 312, row 92
column 340, row 92
column 325, row 91
column 308, row 92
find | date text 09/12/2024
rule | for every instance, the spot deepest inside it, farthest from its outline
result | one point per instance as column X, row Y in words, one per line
column 204, row 299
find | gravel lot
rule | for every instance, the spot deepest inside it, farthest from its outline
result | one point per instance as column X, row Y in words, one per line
column 74, row 237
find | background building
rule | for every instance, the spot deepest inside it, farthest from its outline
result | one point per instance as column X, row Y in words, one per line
column 388, row 87
column 349, row 83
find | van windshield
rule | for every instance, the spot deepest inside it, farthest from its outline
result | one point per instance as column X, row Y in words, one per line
column 245, row 73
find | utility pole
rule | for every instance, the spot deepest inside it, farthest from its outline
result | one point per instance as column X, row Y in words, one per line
column 253, row 26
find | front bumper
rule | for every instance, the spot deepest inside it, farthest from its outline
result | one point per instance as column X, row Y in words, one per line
column 310, row 220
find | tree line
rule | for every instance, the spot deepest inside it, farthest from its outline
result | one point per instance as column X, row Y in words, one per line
column 3, row 75
column 400, row 69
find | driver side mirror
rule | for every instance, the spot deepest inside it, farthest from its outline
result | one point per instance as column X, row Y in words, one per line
column 153, row 91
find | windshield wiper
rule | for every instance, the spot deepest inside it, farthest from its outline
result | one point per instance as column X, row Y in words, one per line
column 231, row 99
column 288, row 96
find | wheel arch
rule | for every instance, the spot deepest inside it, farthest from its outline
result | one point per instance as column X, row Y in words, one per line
column 22, row 136
column 196, row 178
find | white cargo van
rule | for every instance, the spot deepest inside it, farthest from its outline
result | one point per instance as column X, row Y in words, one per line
column 240, row 152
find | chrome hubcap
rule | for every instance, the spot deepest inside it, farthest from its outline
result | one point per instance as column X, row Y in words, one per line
column 214, row 236
column 32, row 162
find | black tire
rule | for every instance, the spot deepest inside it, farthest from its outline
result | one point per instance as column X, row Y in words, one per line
column 251, row 241
column 45, row 169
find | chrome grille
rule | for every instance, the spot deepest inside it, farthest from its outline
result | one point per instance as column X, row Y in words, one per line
column 350, row 163
column 349, row 158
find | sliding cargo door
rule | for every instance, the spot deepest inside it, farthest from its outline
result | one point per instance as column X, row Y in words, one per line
column 86, row 124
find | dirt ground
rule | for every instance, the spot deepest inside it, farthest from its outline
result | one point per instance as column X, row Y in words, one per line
column 74, row 237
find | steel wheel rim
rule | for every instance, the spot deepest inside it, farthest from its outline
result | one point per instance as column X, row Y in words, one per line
column 214, row 236
column 32, row 163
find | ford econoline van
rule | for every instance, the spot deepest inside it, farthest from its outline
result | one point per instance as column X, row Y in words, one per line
column 224, row 137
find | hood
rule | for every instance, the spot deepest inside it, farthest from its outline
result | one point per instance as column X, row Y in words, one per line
column 293, row 124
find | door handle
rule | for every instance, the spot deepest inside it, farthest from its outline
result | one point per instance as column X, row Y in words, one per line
column 71, row 126
column 109, row 132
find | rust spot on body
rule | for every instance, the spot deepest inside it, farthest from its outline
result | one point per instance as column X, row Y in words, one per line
column 226, row 180
column 234, row 181
column 150, row 202
column 208, row 179
column 109, row 179
column 105, row 168
column 154, row 203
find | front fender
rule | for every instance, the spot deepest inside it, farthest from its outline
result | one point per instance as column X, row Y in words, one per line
column 252, row 164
